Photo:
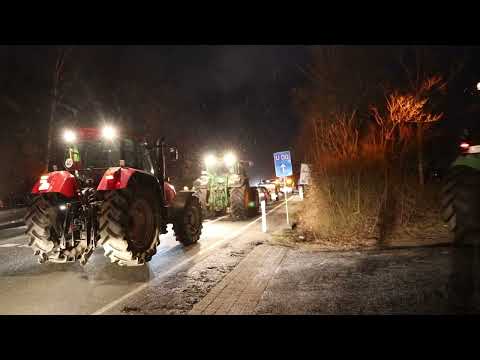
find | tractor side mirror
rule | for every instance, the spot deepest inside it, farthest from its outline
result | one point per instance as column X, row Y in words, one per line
column 146, row 145
column 173, row 154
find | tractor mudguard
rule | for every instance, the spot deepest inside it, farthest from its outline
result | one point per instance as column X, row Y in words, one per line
column 471, row 160
column 117, row 178
column 61, row 182
column 170, row 193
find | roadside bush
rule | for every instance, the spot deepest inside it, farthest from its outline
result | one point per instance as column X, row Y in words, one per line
column 365, row 184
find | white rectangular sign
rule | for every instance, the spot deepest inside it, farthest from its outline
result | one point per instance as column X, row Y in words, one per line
column 305, row 175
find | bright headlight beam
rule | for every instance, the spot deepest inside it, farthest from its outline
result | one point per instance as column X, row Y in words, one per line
column 69, row 136
column 210, row 160
column 229, row 159
column 109, row 132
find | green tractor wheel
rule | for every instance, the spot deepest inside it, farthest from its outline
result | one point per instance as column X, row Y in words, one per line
column 461, row 203
column 244, row 202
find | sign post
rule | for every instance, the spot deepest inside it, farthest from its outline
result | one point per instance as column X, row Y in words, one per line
column 286, row 197
column 283, row 168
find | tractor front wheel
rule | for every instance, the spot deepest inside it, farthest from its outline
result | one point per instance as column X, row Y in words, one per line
column 187, row 226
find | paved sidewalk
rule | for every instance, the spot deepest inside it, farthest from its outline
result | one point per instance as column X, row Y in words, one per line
column 241, row 290
column 275, row 280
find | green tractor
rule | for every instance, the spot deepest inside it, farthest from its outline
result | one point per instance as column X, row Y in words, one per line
column 224, row 186
column 460, row 197
column 461, row 193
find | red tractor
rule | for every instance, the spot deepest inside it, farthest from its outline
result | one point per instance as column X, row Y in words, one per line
column 112, row 192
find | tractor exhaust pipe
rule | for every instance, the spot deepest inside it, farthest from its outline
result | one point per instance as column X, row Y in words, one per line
column 160, row 154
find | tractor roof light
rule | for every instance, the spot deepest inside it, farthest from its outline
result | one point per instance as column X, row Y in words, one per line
column 210, row 160
column 109, row 133
column 69, row 136
column 229, row 159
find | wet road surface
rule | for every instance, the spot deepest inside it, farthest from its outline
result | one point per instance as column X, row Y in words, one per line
column 27, row 287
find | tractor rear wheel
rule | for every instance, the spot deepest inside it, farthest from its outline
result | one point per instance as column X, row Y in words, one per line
column 254, row 203
column 244, row 202
column 42, row 226
column 129, row 226
column 187, row 226
column 461, row 204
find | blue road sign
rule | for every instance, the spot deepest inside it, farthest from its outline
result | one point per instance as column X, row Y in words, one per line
column 283, row 163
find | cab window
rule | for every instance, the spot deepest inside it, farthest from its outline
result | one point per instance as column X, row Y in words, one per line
column 129, row 153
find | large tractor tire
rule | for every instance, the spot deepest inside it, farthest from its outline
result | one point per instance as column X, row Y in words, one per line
column 188, row 224
column 202, row 195
column 461, row 204
column 129, row 226
column 254, row 203
column 42, row 226
column 244, row 202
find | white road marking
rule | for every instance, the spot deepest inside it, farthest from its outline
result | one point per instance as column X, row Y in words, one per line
column 17, row 238
column 217, row 219
column 180, row 264
column 9, row 245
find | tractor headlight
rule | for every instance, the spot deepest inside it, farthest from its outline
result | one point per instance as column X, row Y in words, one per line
column 229, row 159
column 210, row 160
column 69, row 136
column 109, row 133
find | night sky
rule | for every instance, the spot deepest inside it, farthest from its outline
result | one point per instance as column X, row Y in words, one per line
column 201, row 98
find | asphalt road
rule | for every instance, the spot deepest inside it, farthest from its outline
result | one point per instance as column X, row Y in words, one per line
column 12, row 217
column 27, row 287
column 234, row 262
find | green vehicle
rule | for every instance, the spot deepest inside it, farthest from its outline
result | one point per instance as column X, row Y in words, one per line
column 224, row 187
column 460, row 195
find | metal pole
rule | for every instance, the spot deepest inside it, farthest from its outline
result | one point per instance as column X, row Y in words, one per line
column 286, row 196
column 264, row 216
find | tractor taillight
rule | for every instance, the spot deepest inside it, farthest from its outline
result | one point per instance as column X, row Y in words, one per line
column 464, row 145
column 113, row 177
